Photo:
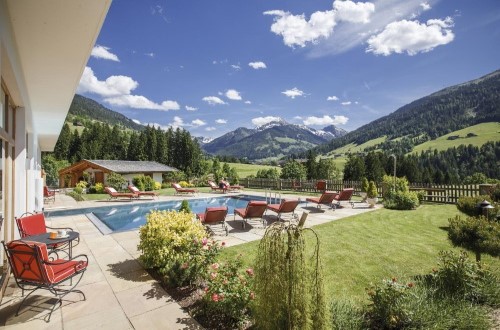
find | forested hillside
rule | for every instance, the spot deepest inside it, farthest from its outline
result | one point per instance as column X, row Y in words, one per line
column 175, row 148
column 83, row 110
column 435, row 115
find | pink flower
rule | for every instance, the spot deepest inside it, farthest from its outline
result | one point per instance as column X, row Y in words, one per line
column 249, row 271
column 184, row 265
column 204, row 241
column 213, row 275
column 206, row 289
column 223, row 243
column 215, row 297
column 252, row 295
column 215, row 266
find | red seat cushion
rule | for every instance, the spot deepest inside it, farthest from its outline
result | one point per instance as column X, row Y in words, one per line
column 32, row 225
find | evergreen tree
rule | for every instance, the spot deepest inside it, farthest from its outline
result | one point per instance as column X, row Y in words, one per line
column 354, row 169
column 61, row 149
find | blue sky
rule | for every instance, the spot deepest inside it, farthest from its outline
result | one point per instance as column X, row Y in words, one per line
column 212, row 66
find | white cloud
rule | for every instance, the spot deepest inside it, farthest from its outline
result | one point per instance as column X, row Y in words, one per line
column 209, row 129
column 213, row 100
column 425, row 6
column 236, row 67
column 332, row 98
column 248, row 102
column 104, row 53
column 259, row 121
column 296, row 30
column 346, row 103
column 112, row 86
column 349, row 11
column 325, row 120
column 233, row 94
column 411, row 37
column 189, row 108
column 348, row 36
column 136, row 121
column 258, row 65
column 141, row 102
column 297, row 117
column 221, row 121
column 198, row 123
column 150, row 54
column 117, row 90
column 293, row 93
column 178, row 122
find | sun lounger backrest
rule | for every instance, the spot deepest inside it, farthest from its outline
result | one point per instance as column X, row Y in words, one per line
column 288, row 205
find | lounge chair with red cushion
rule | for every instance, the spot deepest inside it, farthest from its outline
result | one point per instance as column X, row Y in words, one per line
column 325, row 199
column 33, row 270
column 344, row 196
column 183, row 191
column 114, row 194
column 254, row 209
column 213, row 216
column 135, row 190
column 49, row 195
column 286, row 206
column 215, row 187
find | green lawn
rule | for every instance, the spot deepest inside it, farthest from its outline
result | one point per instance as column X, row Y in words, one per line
column 245, row 170
column 364, row 249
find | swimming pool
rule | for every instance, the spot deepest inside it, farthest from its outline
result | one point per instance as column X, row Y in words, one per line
column 131, row 216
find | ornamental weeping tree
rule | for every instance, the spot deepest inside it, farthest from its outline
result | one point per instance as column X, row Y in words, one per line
column 288, row 283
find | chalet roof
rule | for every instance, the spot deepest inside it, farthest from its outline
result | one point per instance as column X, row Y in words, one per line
column 119, row 166
column 129, row 166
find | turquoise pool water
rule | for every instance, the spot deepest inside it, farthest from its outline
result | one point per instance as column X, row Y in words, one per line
column 131, row 216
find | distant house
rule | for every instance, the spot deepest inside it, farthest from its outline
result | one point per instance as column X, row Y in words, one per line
column 98, row 170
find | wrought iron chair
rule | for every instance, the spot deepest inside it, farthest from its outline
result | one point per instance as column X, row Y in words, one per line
column 33, row 270
column 49, row 195
column 30, row 224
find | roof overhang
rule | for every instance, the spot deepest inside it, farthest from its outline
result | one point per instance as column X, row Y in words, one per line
column 54, row 40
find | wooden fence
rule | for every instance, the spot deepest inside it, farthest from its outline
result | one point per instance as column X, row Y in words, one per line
column 433, row 192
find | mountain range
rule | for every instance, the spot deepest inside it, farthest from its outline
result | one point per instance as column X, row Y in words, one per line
column 274, row 139
column 425, row 119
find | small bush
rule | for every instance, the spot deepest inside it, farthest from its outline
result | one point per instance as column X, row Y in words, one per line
column 364, row 185
column 175, row 245
column 185, row 184
column 115, row 180
column 387, row 310
column 388, row 186
column 185, row 207
column 91, row 190
column 402, row 200
column 80, row 187
column 477, row 234
column 157, row 186
column 346, row 315
column 228, row 290
column 99, row 188
column 468, row 205
column 372, row 190
column 165, row 185
column 138, row 181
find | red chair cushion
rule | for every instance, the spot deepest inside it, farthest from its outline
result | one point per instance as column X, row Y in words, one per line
column 32, row 225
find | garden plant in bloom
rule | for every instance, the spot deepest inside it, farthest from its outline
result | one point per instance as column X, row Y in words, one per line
column 176, row 246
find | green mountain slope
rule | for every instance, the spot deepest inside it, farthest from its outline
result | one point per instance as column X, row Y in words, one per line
column 83, row 109
column 438, row 114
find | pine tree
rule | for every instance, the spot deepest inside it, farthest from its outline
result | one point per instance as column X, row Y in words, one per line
column 61, row 149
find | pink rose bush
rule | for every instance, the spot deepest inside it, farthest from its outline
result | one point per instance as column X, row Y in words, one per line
column 228, row 290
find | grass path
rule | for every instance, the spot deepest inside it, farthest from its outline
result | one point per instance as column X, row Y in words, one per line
column 364, row 249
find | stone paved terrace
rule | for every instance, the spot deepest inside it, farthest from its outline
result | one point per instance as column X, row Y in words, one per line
column 120, row 293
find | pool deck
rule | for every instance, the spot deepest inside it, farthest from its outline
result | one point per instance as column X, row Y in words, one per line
column 120, row 293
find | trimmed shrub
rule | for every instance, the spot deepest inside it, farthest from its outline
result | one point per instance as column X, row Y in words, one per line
column 185, row 206
column 400, row 200
column 476, row 234
column 388, row 186
column 80, row 186
column 468, row 205
column 185, row 184
column 176, row 246
column 372, row 190
column 158, row 185
column 364, row 185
